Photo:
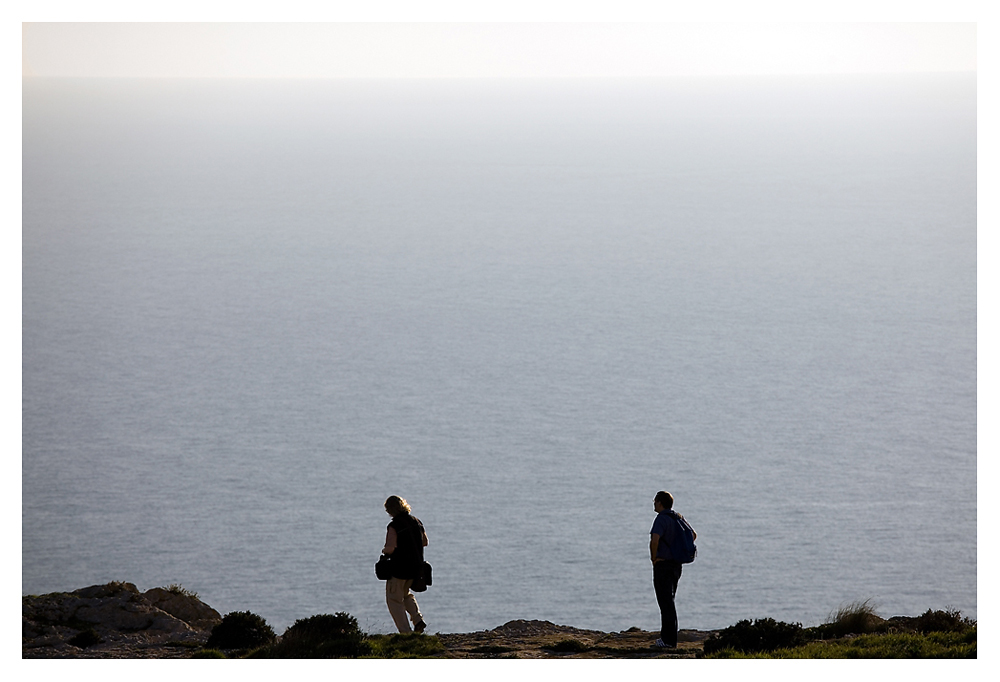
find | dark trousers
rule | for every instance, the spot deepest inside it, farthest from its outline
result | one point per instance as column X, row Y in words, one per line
column 665, row 577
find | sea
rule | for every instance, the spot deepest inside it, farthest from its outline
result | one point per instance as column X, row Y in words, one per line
column 254, row 309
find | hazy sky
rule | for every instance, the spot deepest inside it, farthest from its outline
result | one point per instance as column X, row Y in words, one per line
column 339, row 50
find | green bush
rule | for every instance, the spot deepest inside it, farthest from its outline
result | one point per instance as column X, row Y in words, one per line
column 241, row 630
column 86, row 638
column 324, row 626
column 573, row 646
column 942, row 621
column 765, row 634
column 322, row 636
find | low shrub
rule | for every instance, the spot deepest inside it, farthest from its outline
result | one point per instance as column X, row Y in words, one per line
column 324, row 626
column 241, row 630
column 764, row 634
column 85, row 638
column 321, row 636
column 899, row 645
column 949, row 620
column 574, row 646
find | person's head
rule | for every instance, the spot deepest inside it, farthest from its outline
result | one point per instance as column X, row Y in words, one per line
column 664, row 499
column 396, row 505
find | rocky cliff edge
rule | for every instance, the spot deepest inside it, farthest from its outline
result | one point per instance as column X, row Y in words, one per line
column 96, row 620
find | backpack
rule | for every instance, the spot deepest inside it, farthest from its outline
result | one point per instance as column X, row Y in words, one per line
column 683, row 548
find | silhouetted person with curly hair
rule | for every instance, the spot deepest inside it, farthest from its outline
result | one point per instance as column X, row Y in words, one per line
column 405, row 540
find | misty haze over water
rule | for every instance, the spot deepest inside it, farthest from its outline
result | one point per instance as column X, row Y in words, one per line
column 252, row 310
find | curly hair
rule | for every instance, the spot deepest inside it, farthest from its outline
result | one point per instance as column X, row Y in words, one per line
column 396, row 505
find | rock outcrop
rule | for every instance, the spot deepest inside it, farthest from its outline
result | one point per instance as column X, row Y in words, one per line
column 191, row 610
column 115, row 616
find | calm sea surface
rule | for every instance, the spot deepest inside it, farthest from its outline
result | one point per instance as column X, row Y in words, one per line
column 253, row 310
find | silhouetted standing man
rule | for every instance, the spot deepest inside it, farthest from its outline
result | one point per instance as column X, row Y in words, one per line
column 666, row 570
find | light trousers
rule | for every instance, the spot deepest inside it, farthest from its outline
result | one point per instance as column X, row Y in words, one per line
column 401, row 601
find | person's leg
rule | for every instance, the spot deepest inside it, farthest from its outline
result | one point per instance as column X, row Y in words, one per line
column 410, row 603
column 675, row 576
column 665, row 577
column 396, row 590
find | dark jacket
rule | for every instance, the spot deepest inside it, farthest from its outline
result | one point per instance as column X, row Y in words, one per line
column 408, row 557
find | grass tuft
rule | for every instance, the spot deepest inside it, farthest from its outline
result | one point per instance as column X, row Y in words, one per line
column 208, row 653
column 411, row 645
column 181, row 590
column 857, row 618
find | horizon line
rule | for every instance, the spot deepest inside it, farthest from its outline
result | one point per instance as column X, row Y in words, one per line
column 519, row 77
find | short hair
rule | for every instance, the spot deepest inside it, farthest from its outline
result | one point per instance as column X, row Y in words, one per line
column 396, row 505
column 664, row 498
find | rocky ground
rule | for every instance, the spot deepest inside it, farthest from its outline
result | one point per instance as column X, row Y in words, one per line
column 115, row 621
column 118, row 621
column 542, row 639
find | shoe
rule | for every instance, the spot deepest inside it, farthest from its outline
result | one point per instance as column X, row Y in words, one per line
column 420, row 627
column 659, row 644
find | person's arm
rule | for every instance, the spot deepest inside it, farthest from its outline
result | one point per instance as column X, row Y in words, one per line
column 390, row 541
column 654, row 544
